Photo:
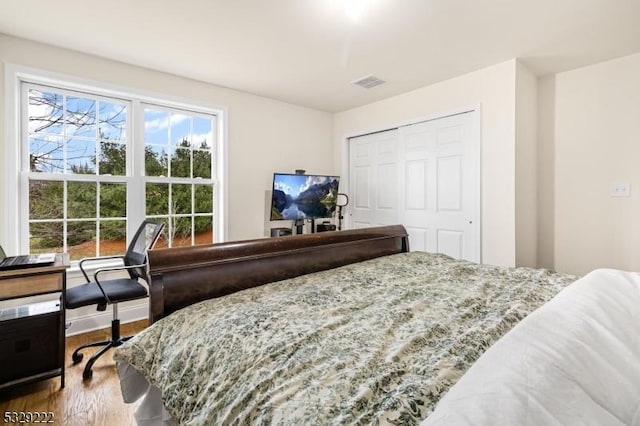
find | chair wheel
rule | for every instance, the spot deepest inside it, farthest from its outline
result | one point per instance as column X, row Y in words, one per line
column 87, row 374
column 76, row 357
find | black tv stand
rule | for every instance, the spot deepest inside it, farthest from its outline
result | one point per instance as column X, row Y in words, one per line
column 299, row 224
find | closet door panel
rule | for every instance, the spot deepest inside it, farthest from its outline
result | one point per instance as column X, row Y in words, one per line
column 373, row 179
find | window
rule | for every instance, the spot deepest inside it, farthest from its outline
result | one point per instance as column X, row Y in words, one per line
column 95, row 163
column 77, row 146
column 178, row 165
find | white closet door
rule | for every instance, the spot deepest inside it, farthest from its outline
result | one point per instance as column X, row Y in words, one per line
column 425, row 176
column 373, row 179
column 441, row 180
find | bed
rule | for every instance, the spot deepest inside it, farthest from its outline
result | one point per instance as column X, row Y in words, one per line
column 346, row 327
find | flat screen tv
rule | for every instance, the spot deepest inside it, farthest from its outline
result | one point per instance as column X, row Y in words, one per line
column 303, row 196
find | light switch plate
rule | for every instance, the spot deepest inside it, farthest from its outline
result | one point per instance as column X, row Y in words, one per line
column 620, row 189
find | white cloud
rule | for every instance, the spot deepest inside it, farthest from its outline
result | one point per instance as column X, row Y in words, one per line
column 164, row 121
column 283, row 187
column 197, row 138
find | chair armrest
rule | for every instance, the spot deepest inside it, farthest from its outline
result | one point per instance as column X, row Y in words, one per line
column 113, row 269
column 92, row 259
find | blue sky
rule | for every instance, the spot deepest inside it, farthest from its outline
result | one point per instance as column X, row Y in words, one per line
column 162, row 125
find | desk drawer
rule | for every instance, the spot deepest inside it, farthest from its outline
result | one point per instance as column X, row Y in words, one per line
column 30, row 285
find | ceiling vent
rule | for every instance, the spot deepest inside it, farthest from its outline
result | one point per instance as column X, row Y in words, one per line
column 368, row 81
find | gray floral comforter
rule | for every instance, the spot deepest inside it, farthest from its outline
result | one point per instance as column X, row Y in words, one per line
column 378, row 342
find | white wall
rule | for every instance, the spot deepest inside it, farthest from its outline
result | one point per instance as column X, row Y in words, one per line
column 596, row 131
column 264, row 136
column 526, row 167
column 546, row 172
column 493, row 88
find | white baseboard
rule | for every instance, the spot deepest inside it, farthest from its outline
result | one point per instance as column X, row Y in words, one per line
column 100, row 320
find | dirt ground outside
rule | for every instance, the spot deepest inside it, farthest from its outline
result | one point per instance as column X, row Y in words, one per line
column 114, row 247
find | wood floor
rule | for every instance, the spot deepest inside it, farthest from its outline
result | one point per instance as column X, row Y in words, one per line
column 96, row 401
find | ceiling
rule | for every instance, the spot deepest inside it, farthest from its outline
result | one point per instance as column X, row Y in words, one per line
column 307, row 52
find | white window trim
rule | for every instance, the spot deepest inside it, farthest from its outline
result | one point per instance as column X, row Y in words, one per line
column 15, row 217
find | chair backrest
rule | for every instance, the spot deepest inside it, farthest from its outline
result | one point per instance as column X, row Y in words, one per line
column 144, row 239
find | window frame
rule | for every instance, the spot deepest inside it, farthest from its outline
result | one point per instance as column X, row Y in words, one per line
column 15, row 227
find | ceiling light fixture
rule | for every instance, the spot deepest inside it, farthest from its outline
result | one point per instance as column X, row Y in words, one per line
column 354, row 8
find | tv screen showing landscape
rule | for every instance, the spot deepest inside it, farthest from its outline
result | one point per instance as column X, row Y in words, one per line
column 303, row 196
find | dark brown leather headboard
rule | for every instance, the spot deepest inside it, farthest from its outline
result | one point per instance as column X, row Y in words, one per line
column 186, row 275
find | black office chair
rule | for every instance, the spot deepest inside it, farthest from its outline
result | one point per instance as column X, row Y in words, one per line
column 103, row 292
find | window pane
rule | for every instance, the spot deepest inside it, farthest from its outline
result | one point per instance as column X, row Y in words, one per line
column 181, row 162
column 202, row 135
column 181, row 231
column 81, row 117
column 203, row 199
column 81, row 239
column 81, row 156
column 45, row 112
column 180, row 130
column 113, row 158
column 203, row 226
column 81, row 200
column 46, row 154
column 113, row 200
column 163, row 240
column 46, row 237
column 157, row 199
column 201, row 164
column 46, row 200
column 180, row 199
column 113, row 235
column 156, row 160
column 112, row 121
column 156, row 127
